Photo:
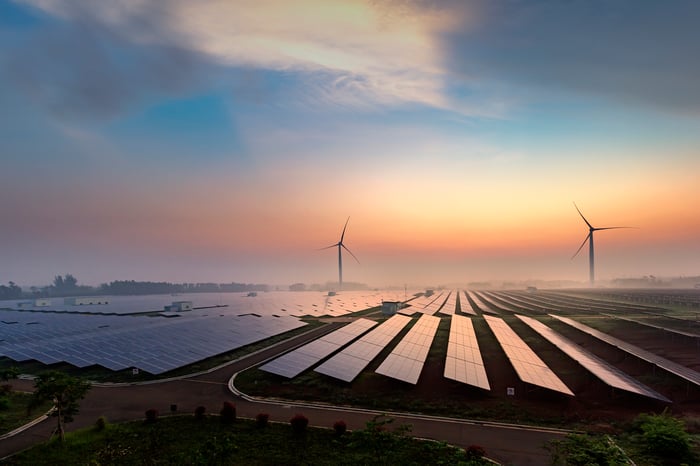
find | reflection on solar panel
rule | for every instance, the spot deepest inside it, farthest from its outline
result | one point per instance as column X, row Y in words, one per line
column 527, row 364
column 406, row 360
column 465, row 306
column 601, row 369
column 347, row 364
column 450, row 305
column 155, row 345
column 670, row 366
column 463, row 362
column 425, row 304
column 297, row 361
column 481, row 303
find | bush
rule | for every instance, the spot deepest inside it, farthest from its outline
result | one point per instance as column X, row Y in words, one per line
column 261, row 419
column 151, row 415
column 299, row 423
column 339, row 427
column 475, row 451
column 100, row 424
column 199, row 412
column 585, row 450
column 228, row 412
column 5, row 389
column 4, row 404
column 664, row 436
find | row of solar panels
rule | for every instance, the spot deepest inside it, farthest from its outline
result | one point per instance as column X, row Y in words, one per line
column 281, row 303
column 463, row 361
column 155, row 345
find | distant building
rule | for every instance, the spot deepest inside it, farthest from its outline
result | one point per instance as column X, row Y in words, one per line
column 331, row 293
column 531, row 289
column 25, row 304
column 389, row 308
column 179, row 306
column 252, row 294
column 429, row 292
column 85, row 301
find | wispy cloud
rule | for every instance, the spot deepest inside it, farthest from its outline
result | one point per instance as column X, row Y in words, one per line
column 355, row 52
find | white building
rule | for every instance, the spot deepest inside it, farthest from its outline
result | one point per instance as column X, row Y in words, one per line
column 84, row 301
column 179, row 306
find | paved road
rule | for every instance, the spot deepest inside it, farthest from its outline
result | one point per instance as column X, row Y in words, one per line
column 507, row 444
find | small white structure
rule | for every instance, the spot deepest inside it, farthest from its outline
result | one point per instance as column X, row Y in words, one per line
column 179, row 306
column 389, row 308
column 85, row 301
column 42, row 302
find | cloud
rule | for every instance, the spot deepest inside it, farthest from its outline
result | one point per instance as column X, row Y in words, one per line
column 631, row 52
column 352, row 52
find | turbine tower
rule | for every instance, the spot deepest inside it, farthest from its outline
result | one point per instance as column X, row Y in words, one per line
column 341, row 246
column 589, row 238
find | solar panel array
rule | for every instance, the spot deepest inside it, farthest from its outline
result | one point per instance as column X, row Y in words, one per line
column 465, row 306
column 406, row 360
column 297, row 361
column 155, row 345
column 606, row 372
column 463, row 362
column 481, row 303
column 450, row 305
column 670, row 366
column 347, row 364
column 656, row 326
column 425, row 304
column 527, row 364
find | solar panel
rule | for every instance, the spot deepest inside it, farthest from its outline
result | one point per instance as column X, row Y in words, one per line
column 465, row 306
column 450, row 305
column 481, row 303
column 347, row 364
column 529, row 367
column 463, row 362
column 408, row 357
column 606, row 372
column 297, row 361
column 670, row 366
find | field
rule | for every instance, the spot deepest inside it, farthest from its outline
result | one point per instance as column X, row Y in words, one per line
column 595, row 405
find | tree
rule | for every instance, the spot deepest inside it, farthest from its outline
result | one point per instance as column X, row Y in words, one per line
column 65, row 391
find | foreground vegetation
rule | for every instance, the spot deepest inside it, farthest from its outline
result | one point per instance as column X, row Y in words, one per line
column 223, row 440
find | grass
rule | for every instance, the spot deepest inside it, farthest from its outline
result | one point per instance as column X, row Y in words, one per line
column 179, row 440
column 13, row 411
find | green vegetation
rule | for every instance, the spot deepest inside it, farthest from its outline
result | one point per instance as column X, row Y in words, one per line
column 179, row 440
column 651, row 440
column 64, row 392
column 13, row 410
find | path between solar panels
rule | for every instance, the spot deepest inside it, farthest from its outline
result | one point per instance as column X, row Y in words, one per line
column 506, row 443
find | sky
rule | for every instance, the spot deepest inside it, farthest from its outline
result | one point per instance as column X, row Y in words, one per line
column 220, row 141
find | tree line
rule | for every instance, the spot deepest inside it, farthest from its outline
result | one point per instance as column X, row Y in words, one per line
column 67, row 285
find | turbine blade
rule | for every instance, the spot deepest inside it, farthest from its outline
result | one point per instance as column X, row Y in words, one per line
column 611, row 228
column 588, row 236
column 343, row 234
column 328, row 247
column 353, row 255
column 584, row 218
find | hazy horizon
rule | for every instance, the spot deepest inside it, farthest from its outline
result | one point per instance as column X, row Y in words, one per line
column 229, row 141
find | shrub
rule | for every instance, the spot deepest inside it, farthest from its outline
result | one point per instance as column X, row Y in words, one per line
column 199, row 412
column 228, row 412
column 261, row 419
column 339, row 427
column 664, row 436
column 151, row 415
column 299, row 423
column 475, row 451
column 4, row 404
column 584, row 450
column 5, row 389
column 100, row 424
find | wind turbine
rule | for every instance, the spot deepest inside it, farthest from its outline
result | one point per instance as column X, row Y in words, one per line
column 589, row 238
column 341, row 246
